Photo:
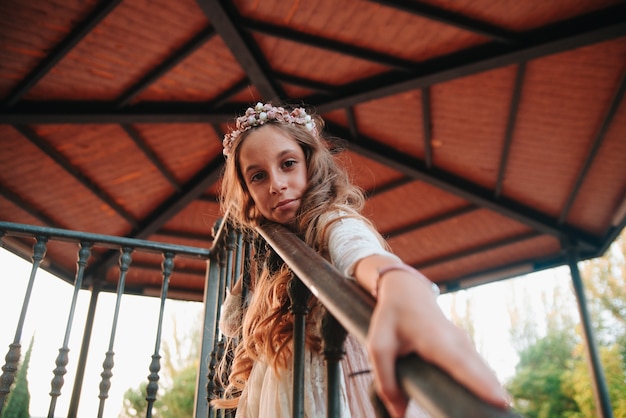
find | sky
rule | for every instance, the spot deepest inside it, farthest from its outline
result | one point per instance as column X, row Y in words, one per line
column 47, row 320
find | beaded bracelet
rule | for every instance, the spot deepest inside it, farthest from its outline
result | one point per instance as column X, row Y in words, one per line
column 403, row 267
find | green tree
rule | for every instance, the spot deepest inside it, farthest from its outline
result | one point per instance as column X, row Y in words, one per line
column 540, row 375
column 605, row 282
column 177, row 384
column 18, row 401
column 545, row 353
column 178, row 401
column 135, row 404
column 579, row 386
column 552, row 377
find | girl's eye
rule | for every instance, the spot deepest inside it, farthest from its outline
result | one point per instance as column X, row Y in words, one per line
column 289, row 163
column 256, row 177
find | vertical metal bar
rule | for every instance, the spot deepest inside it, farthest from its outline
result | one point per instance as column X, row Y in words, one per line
column 218, row 263
column 204, row 387
column 155, row 365
column 239, row 254
column 13, row 355
column 247, row 270
column 225, row 260
column 426, row 123
column 230, row 250
column 107, row 365
column 601, row 393
column 84, row 351
column 234, row 246
column 334, row 337
column 299, row 295
column 62, row 359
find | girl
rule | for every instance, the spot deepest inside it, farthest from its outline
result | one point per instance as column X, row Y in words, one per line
column 280, row 169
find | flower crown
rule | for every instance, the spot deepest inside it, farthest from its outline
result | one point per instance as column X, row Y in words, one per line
column 262, row 114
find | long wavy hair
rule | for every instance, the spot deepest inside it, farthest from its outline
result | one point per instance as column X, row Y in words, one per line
column 267, row 328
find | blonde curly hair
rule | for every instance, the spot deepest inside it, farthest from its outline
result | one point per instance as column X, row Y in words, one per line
column 267, row 329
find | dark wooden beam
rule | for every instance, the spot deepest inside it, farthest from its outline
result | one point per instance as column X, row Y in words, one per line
column 577, row 32
column 332, row 45
column 165, row 211
column 77, row 174
column 79, row 112
column 458, row 186
column 452, row 19
column 176, row 58
column 306, row 83
column 377, row 190
column 478, row 250
column 352, row 124
column 28, row 207
column 510, row 126
column 446, row 216
column 152, row 156
column 595, row 146
column 243, row 48
column 77, row 34
column 426, row 127
column 595, row 27
column 222, row 99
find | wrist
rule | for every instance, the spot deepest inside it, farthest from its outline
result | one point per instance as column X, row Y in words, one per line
column 383, row 271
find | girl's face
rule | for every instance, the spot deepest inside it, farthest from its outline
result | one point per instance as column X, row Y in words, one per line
column 274, row 169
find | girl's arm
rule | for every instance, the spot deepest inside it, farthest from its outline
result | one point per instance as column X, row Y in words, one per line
column 408, row 319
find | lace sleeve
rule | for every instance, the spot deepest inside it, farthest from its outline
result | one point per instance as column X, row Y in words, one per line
column 350, row 240
column 231, row 315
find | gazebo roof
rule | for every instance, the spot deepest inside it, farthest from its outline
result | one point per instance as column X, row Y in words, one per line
column 490, row 136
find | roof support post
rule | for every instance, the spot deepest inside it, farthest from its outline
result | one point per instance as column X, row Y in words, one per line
column 84, row 349
column 209, row 337
column 601, row 392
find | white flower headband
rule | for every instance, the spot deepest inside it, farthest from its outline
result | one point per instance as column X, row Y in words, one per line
column 264, row 113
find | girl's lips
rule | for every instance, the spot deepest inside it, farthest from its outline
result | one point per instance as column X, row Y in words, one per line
column 283, row 203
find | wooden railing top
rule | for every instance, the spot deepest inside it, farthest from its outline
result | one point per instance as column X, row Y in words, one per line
column 435, row 391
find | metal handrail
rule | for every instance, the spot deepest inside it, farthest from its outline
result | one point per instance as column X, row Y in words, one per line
column 430, row 386
column 107, row 241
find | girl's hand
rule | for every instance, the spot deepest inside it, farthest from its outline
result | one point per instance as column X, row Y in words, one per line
column 408, row 319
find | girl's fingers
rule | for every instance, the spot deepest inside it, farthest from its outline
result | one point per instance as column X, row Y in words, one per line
column 383, row 350
column 447, row 346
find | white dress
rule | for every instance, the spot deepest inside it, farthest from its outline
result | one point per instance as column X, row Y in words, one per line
column 270, row 395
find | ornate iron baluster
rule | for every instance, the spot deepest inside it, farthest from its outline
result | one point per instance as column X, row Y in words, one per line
column 299, row 295
column 211, row 308
column 334, row 336
column 63, row 358
column 226, row 269
column 13, row 355
column 234, row 246
column 155, row 365
column 107, row 365
column 212, row 302
column 213, row 386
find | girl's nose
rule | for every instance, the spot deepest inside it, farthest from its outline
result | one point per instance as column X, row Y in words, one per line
column 277, row 184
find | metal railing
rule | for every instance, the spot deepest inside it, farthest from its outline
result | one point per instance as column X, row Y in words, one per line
column 86, row 243
column 434, row 390
column 227, row 259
